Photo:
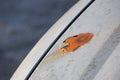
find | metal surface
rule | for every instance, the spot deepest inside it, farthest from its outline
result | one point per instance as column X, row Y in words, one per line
column 99, row 59
column 38, row 52
column 92, row 61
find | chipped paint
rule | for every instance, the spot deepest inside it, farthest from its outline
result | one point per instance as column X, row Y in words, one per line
column 74, row 42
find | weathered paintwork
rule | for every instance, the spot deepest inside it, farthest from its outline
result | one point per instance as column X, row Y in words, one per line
column 97, row 59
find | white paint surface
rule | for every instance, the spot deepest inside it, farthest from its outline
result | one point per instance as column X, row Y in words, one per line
column 102, row 19
column 35, row 54
column 97, row 60
column 111, row 69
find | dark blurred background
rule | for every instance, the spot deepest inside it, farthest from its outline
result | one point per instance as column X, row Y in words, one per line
column 22, row 24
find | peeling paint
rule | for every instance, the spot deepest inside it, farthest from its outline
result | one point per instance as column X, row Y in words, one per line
column 74, row 42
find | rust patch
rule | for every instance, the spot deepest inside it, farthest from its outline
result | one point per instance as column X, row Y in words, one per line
column 72, row 43
column 75, row 42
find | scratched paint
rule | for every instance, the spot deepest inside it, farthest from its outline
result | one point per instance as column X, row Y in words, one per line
column 74, row 42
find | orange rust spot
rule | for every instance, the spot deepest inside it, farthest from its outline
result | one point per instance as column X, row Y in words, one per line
column 76, row 41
